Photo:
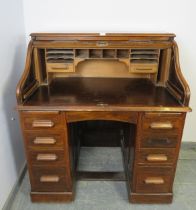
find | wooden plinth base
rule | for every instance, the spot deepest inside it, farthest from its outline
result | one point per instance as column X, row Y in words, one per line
column 150, row 198
column 52, row 197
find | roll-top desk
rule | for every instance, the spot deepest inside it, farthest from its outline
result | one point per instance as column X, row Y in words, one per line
column 76, row 84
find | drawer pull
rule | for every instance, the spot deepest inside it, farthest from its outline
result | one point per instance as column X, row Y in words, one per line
column 159, row 125
column 49, row 178
column 156, row 158
column 62, row 68
column 42, row 124
column 44, row 140
column 159, row 141
column 154, row 180
column 46, row 157
column 144, row 69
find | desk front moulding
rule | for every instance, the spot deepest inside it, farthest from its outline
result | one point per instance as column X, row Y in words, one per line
column 123, row 90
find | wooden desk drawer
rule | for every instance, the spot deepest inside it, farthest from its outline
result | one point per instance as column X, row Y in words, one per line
column 156, row 156
column 41, row 120
column 154, row 179
column 60, row 67
column 44, row 140
column 161, row 140
column 50, row 157
column 143, row 68
column 47, row 179
column 157, row 122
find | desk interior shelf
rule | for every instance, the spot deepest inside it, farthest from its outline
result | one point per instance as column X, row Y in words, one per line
column 137, row 61
column 123, row 53
column 144, row 60
column 59, row 55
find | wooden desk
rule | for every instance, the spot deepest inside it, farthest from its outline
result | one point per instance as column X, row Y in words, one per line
column 84, row 89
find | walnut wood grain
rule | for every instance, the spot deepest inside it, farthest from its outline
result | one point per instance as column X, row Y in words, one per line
column 151, row 198
column 21, row 91
column 50, row 178
column 49, row 157
column 40, row 139
column 98, row 36
column 156, row 156
column 159, row 122
column 47, row 120
column 155, row 140
column 130, row 117
column 153, row 179
column 128, row 95
column 177, row 79
column 57, row 197
column 31, row 90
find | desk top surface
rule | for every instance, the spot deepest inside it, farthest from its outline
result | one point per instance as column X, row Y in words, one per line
column 102, row 94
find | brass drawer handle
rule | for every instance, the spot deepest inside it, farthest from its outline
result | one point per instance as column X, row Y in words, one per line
column 165, row 141
column 46, row 157
column 42, row 124
column 44, row 140
column 156, row 158
column 154, row 180
column 160, row 125
column 46, row 178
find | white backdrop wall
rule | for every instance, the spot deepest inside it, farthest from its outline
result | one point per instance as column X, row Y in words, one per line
column 177, row 16
column 12, row 55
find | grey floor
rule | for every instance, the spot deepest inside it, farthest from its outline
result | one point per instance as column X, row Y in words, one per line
column 110, row 195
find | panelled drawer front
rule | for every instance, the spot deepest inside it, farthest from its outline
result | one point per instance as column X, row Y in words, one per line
column 44, row 140
column 46, row 179
column 159, row 122
column 60, row 67
column 156, row 156
column 158, row 140
column 50, row 157
column 154, row 179
column 41, row 121
column 143, row 68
